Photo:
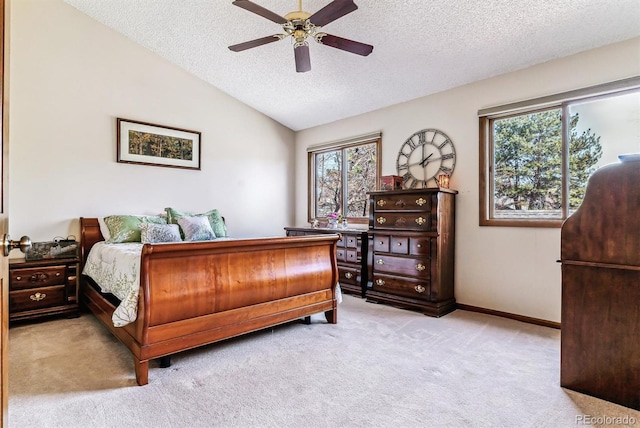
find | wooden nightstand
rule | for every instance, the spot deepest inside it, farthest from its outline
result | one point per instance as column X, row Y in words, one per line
column 42, row 288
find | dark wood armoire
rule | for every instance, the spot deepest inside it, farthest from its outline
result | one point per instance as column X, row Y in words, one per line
column 600, row 256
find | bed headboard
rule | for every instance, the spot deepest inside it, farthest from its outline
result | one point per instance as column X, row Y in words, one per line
column 89, row 235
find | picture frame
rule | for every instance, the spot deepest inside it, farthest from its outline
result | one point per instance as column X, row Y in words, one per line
column 146, row 143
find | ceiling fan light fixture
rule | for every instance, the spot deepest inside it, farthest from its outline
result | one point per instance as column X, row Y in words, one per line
column 300, row 25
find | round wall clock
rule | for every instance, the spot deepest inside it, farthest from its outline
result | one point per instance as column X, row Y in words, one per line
column 423, row 156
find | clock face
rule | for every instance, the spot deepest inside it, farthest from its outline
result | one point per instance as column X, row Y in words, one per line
column 423, row 156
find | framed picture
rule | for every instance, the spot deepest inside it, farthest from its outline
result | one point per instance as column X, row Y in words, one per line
column 150, row 144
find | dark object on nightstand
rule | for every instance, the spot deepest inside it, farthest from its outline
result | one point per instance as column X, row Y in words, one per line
column 43, row 288
column 413, row 235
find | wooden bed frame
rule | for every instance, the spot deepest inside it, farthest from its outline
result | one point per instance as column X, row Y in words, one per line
column 196, row 293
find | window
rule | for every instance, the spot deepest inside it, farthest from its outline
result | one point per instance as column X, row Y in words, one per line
column 340, row 175
column 536, row 157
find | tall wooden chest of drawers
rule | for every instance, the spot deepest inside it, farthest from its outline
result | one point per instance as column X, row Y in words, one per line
column 352, row 253
column 413, row 236
column 42, row 288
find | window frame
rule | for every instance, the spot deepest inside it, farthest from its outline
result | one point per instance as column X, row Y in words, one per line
column 342, row 145
column 486, row 145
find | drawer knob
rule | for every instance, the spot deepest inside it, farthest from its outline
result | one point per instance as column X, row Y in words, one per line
column 379, row 281
column 399, row 244
column 18, row 278
column 419, row 288
column 348, row 275
column 37, row 297
column 381, row 202
column 381, row 220
column 420, row 201
column 419, row 245
column 420, row 221
column 380, row 261
column 420, row 267
column 381, row 242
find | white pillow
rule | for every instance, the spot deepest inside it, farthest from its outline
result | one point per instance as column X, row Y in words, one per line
column 151, row 233
column 196, row 228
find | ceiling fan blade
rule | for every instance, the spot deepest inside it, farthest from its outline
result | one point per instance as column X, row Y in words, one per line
column 259, row 10
column 334, row 10
column 255, row 43
column 344, row 44
column 303, row 60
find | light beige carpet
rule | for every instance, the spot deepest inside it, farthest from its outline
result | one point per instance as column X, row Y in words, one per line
column 378, row 367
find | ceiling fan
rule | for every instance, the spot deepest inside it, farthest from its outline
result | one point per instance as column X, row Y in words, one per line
column 301, row 25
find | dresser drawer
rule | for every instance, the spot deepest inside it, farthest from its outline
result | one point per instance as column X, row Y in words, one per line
column 36, row 298
column 349, row 275
column 402, row 221
column 401, row 286
column 416, row 267
column 402, row 202
column 37, row 277
column 351, row 241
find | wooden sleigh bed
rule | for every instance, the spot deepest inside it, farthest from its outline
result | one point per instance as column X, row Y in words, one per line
column 196, row 293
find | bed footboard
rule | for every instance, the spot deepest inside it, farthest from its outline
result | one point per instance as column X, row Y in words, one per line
column 197, row 293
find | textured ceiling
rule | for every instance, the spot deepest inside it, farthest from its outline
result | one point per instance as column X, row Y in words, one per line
column 420, row 46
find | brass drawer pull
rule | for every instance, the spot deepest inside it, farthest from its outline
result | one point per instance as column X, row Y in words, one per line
column 380, row 261
column 379, row 281
column 39, row 277
column 381, row 220
column 37, row 297
column 381, row 202
column 421, row 202
column 420, row 267
column 419, row 288
column 420, row 221
column 348, row 275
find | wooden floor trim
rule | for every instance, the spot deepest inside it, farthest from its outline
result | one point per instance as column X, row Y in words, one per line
column 529, row 320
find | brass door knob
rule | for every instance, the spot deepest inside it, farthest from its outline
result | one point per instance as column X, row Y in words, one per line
column 7, row 244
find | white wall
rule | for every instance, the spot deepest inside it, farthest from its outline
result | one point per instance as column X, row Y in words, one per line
column 71, row 77
column 506, row 269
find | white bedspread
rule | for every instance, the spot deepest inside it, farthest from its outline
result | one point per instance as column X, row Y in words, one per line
column 116, row 269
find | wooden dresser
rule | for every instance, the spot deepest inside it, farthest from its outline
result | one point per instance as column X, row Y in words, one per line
column 413, row 235
column 354, row 257
column 600, row 256
column 42, row 288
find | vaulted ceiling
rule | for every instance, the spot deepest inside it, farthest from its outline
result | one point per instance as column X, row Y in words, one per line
column 420, row 46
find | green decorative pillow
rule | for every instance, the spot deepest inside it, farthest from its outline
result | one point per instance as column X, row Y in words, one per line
column 196, row 228
column 125, row 228
column 152, row 233
column 215, row 219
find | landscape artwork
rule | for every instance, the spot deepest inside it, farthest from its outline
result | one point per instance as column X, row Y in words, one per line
column 150, row 144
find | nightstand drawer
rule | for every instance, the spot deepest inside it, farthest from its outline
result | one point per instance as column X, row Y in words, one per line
column 37, row 277
column 349, row 275
column 36, row 298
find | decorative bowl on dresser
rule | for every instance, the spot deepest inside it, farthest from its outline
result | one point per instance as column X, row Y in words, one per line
column 413, row 235
column 354, row 257
column 42, row 288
